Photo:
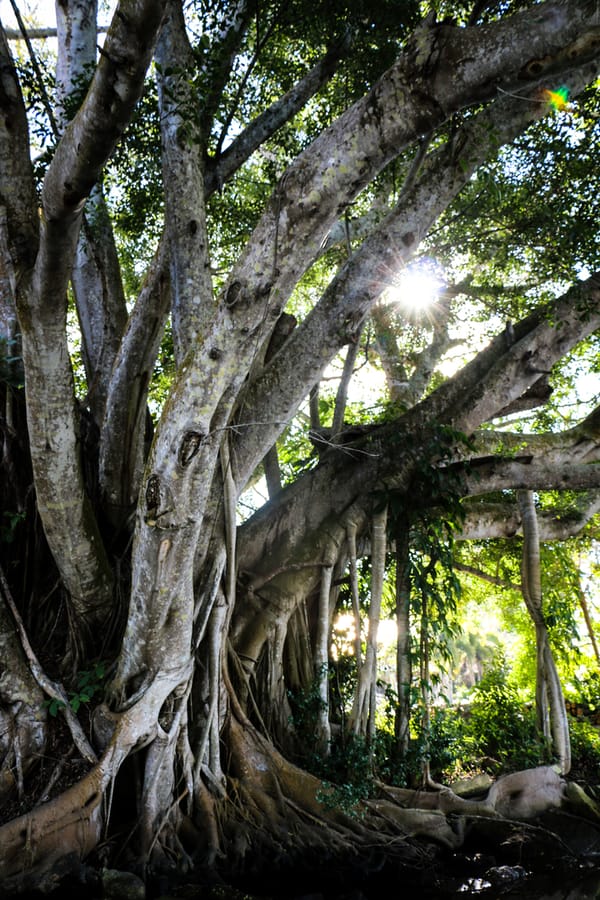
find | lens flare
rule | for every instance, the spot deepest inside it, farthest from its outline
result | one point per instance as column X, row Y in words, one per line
column 558, row 100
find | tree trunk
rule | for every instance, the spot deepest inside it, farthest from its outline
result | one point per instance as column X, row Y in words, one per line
column 550, row 703
column 403, row 645
column 362, row 720
column 322, row 641
column 353, row 567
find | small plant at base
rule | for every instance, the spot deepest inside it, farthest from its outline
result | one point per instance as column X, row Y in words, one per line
column 9, row 525
column 347, row 774
column 346, row 771
column 345, row 797
column 89, row 683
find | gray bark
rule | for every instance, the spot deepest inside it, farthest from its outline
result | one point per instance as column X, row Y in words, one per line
column 345, row 303
column 322, row 642
column 362, row 719
column 403, row 645
column 100, row 300
column 65, row 510
column 23, row 716
column 122, row 436
column 95, row 278
column 183, row 178
column 336, row 487
column 353, row 567
column 76, row 33
column 550, row 703
column 174, row 618
column 268, row 122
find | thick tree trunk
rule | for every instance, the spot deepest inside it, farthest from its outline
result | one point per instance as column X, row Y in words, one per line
column 123, row 448
column 96, row 277
column 183, row 150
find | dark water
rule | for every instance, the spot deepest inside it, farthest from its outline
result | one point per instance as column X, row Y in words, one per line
column 524, row 886
column 500, row 882
column 535, row 888
column 456, row 877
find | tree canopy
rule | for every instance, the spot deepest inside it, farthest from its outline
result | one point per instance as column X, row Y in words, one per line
column 299, row 314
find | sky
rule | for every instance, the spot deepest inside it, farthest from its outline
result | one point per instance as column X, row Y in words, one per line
column 39, row 11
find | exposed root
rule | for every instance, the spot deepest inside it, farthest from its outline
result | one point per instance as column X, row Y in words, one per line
column 35, row 842
column 54, row 776
column 281, row 810
column 274, row 818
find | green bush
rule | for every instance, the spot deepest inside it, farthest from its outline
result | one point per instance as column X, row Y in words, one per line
column 500, row 726
column 347, row 773
column 451, row 747
column 347, row 770
column 585, row 752
column 497, row 732
column 587, row 690
column 443, row 746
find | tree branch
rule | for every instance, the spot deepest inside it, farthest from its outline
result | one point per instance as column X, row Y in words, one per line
column 116, row 87
column 63, row 504
column 338, row 482
column 121, row 451
column 217, row 66
column 183, row 179
column 25, row 35
column 268, row 122
column 17, row 189
column 485, row 576
column 36, row 34
column 372, row 267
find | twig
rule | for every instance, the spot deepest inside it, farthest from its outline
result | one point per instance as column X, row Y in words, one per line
column 40, row 33
column 56, row 773
column 36, row 67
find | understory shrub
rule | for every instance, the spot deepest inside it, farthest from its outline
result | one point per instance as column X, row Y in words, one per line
column 501, row 727
column 585, row 752
column 496, row 733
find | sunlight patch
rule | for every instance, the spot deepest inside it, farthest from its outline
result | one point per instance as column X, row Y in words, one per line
column 418, row 287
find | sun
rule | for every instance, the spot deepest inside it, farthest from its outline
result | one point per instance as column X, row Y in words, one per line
column 417, row 288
